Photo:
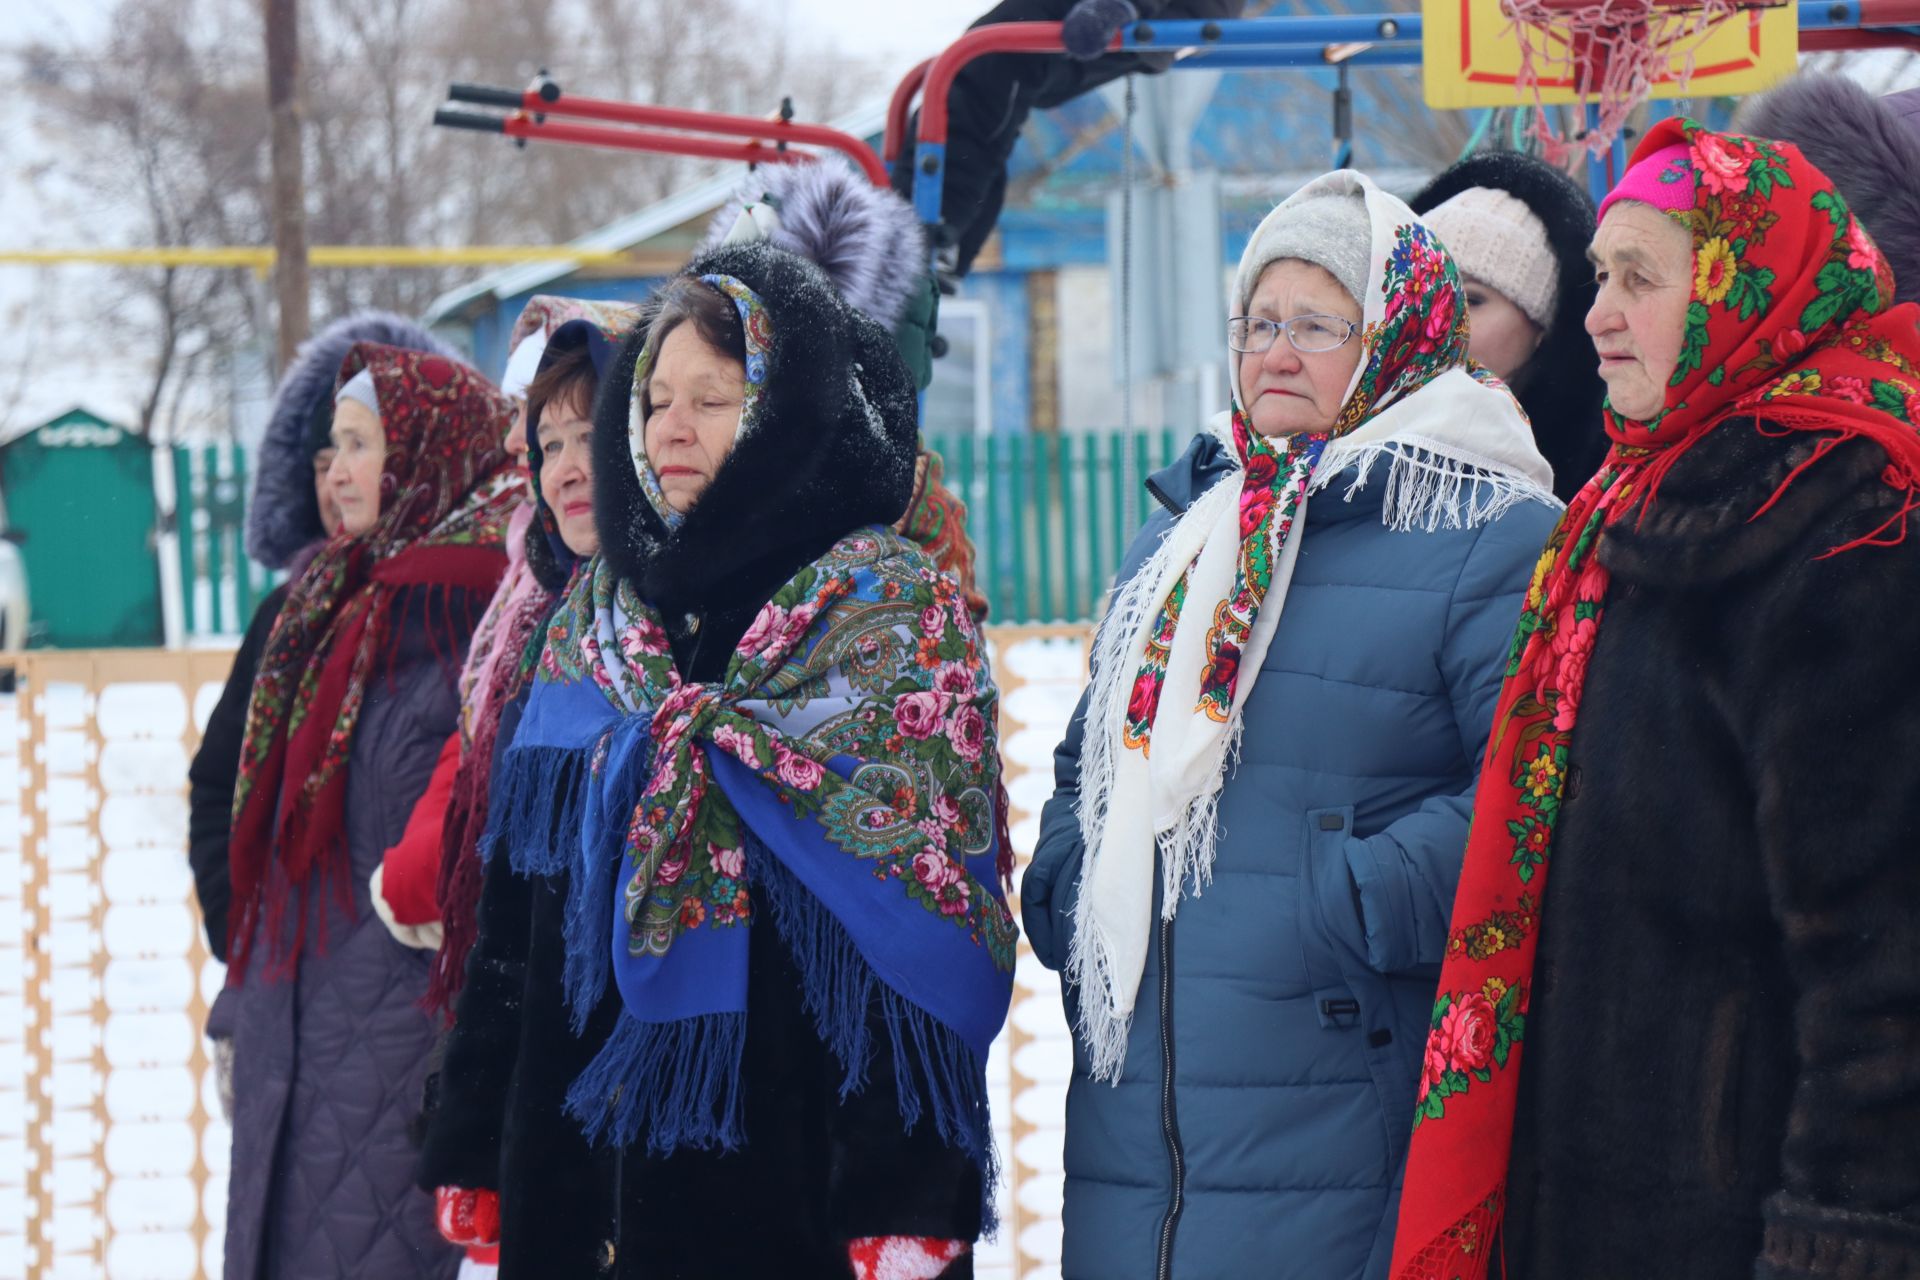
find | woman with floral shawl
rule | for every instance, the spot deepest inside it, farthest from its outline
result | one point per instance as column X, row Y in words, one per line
column 1246, row 867
column 1678, row 1027
column 755, row 792
column 354, row 697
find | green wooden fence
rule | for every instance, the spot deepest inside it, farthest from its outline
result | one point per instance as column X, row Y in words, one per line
column 1048, row 514
column 220, row 586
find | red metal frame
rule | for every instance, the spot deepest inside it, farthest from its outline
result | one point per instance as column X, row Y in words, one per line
column 635, row 113
column 897, row 111
column 520, row 125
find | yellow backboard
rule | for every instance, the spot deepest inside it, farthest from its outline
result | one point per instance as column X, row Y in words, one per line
column 1471, row 55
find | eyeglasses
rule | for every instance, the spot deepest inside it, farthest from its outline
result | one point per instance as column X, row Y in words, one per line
column 1255, row 334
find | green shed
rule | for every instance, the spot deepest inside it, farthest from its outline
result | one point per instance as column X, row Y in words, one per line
column 79, row 496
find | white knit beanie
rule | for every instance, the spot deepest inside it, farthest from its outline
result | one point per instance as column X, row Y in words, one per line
column 359, row 389
column 1495, row 238
column 1332, row 231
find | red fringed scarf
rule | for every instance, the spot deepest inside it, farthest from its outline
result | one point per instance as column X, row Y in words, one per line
column 520, row 636
column 1789, row 323
column 446, row 495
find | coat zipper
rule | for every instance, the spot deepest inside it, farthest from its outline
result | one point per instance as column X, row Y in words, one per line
column 1169, row 1122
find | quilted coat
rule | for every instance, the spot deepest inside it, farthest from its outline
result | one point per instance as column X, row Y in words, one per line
column 1261, row 1119
column 329, row 1064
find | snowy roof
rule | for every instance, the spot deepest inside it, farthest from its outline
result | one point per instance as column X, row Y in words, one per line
column 635, row 229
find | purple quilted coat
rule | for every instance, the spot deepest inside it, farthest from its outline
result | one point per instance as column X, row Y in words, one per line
column 329, row 1064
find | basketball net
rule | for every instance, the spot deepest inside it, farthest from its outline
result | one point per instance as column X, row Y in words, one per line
column 1607, row 51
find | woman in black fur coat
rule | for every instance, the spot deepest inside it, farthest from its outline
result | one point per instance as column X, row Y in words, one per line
column 823, row 1167
column 1518, row 228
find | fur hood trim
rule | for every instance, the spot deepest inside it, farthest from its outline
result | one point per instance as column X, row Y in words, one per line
column 866, row 238
column 284, row 515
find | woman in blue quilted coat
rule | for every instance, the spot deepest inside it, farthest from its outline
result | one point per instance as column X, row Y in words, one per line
column 1247, row 866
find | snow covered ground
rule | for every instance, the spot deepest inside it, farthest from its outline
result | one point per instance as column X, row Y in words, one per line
column 113, row 1153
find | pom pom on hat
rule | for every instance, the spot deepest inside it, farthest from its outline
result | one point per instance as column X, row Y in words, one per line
column 1496, row 239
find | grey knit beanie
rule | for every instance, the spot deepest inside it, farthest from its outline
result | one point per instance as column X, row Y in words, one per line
column 1330, row 230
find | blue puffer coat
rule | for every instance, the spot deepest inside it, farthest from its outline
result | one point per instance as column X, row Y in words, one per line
column 1289, row 1002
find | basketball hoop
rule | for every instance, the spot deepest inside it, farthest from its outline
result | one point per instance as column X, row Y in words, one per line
column 1610, row 52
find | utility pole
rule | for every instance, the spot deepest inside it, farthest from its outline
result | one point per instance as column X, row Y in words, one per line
column 289, row 178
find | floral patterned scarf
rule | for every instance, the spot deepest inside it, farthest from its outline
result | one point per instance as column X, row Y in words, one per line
column 1788, row 324
column 846, row 764
column 446, row 495
column 1187, row 634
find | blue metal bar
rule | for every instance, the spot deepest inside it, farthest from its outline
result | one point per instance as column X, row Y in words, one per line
column 1399, row 53
column 1257, row 33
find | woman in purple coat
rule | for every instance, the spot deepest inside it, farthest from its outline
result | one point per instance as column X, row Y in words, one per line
column 354, row 698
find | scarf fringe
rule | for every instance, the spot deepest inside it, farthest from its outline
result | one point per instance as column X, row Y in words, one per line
column 1135, row 606
column 934, row 1071
column 677, row 1082
column 537, row 808
column 1429, row 487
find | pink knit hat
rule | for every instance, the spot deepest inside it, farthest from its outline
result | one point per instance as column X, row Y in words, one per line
column 1663, row 180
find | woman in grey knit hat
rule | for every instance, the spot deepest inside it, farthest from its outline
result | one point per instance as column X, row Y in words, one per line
column 1247, row 867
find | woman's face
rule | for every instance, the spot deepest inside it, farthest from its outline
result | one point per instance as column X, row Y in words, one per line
column 1643, row 261
column 1286, row 391
column 694, row 398
column 323, row 491
column 1503, row 337
column 360, row 451
column 566, row 473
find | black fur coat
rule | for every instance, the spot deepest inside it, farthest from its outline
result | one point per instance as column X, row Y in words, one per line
column 1721, row 1076
column 817, row 1170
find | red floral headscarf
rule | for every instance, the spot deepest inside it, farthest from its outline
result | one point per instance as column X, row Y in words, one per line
column 446, row 492
column 1789, row 326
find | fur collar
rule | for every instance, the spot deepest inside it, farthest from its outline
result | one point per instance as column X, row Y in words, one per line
column 1702, row 529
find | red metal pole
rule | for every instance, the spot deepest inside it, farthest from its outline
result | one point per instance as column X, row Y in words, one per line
column 1000, row 37
column 710, row 122
column 673, row 144
column 897, row 110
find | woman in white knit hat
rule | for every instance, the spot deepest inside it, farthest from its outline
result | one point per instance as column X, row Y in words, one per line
column 1518, row 229
column 1248, row 863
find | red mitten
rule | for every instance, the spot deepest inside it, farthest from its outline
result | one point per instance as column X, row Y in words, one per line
column 903, row 1257
column 467, row 1217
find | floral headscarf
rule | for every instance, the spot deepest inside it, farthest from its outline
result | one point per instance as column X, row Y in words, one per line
column 446, row 493
column 1188, row 632
column 759, row 348
column 1788, row 325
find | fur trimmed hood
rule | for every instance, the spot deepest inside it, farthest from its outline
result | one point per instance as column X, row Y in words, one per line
column 1560, row 388
column 866, row 238
column 1865, row 146
column 284, row 516
column 833, row 448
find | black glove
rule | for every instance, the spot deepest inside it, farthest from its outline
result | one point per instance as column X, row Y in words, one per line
column 1090, row 26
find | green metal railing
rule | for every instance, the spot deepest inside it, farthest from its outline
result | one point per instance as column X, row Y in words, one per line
column 220, row 586
column 1049, row 516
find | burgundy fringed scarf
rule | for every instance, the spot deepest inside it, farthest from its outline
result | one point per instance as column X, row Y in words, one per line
column 446, row 494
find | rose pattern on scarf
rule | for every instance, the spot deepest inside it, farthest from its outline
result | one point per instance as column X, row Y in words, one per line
column 1789, row 309
column 922, row 720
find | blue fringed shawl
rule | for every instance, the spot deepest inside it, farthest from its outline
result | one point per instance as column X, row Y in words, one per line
column 877, row 862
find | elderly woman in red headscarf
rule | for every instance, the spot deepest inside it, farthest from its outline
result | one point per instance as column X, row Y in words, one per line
column 356, row 694
column 1678, row 1029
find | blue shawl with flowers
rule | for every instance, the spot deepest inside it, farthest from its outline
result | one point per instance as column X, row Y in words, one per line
column 846, row 765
